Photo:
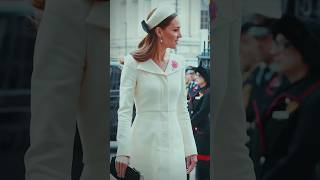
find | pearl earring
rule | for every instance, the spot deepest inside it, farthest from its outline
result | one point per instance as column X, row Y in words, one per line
column 160, row 40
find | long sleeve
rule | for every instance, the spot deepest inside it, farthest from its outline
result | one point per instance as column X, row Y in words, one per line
column 184, row 120
column 127, row 88
column 198, row 117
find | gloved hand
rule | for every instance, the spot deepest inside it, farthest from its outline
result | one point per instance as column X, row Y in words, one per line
column 122, row 163
column 191, row 162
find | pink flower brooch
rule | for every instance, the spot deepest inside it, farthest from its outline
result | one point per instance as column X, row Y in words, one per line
column 174, row 64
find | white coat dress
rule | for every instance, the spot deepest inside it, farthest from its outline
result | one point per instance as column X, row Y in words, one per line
column 161, row 136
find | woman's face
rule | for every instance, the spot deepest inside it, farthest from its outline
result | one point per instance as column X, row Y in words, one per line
column 200, row 80
column 171, row 34
column 287, row 59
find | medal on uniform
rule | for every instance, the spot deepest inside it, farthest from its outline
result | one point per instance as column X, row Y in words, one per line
column 292, row 106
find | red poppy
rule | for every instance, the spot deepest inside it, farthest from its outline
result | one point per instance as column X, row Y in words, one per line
column 174, row 64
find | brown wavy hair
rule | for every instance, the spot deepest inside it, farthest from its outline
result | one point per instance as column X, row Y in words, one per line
column 147, row 48
column 39, row 4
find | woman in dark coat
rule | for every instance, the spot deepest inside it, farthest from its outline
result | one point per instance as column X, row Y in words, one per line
column 288, row 133
column 199, row 107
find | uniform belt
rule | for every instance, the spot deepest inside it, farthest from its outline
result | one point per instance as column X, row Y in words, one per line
column 202, row 157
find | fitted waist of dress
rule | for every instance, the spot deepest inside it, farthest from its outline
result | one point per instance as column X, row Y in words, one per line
column 155, row 117
column 157, row 111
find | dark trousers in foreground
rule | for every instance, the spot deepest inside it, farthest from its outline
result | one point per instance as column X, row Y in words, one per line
column 203, row 170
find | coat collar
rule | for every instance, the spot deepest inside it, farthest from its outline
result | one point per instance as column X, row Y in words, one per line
column 98, row 15
column 151, row 67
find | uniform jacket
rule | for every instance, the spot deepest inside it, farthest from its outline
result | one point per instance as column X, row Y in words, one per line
column 200, row 120
column 260, row 87
column 288, row 149
column 200, row 110
column 161, row 135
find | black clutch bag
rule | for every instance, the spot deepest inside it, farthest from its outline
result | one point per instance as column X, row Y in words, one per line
column 131, row 173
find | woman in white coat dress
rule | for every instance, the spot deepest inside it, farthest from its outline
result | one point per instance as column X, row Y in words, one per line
column 160, row 142
column 68, row 87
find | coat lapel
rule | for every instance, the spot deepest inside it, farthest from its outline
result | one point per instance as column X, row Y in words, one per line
column 151, row 67
column 98, row 15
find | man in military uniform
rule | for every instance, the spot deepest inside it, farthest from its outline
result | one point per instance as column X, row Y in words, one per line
column 199, row 115
column 286, row 147
column 190, row 81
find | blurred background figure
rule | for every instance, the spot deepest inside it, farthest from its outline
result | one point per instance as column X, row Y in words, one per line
column 190, row 77
column 280, row 87
column 191, row 86
column 17, row 40
column 199, row 106
column 287, row 148
column 249, row 53
column 260, row 79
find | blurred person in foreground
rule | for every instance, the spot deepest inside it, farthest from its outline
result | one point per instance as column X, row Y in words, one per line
column 159, row 143
column 68, row 89
column 229, row 154
column 287, row 134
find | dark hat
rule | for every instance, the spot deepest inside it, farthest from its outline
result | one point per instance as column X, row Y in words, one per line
column 304, row 36
column 205, row 73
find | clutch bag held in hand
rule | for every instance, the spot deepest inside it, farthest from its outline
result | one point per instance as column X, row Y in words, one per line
column 131, row 173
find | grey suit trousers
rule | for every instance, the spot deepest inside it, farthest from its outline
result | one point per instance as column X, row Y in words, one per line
column 68, row 88
column 230, row 156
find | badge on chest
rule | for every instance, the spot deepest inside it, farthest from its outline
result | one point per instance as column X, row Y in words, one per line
column 290, row 107
column 199, row 96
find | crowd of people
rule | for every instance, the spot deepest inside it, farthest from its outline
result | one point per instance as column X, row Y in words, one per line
column 281, row 92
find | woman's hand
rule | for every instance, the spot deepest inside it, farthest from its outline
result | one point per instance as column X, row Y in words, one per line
column 122, row 163
column 191, row 162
